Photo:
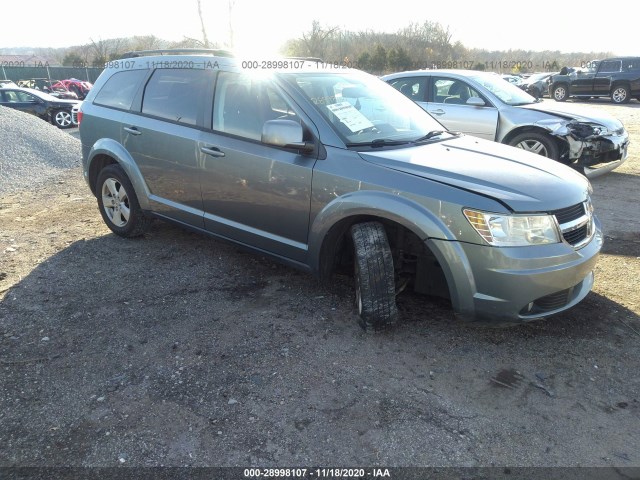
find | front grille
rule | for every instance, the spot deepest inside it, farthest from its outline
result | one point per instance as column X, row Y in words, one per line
column 576, row 224
column 576, row 236
column 565, row 215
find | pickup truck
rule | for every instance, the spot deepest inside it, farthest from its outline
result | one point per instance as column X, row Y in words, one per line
column 618, row 78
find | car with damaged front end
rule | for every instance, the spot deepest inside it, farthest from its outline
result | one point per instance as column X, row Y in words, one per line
column 334, row 172
column 484, row 105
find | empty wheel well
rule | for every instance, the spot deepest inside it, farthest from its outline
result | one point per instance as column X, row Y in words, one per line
column 98, row 163
column 414, row 263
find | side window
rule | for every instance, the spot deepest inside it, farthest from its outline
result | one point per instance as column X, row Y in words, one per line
column 242, row 104
column 119, row 90
column 26, row 97
column 610, row 66
column 411, row 87
column 633, row 64
column 176, row 94
column 448, row 90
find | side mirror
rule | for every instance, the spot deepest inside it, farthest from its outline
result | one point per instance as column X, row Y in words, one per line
column 286, row 134
column 475, row 102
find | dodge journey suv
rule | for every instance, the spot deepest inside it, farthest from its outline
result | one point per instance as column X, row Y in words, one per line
column 332, row 170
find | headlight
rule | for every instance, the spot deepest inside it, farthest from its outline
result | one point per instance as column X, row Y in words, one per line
column 513, row 230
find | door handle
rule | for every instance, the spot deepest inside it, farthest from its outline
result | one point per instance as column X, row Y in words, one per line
column 437, row 112
column 132, row 130
column 213, row 151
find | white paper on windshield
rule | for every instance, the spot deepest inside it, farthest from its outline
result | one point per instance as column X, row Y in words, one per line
column 352, row 118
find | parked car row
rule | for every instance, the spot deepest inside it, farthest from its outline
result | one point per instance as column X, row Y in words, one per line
column 72, row 89
column 52, row 87
column 484, row 105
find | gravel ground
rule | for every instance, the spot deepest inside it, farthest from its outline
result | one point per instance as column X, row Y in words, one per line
column 179, row 350
column 33, row 151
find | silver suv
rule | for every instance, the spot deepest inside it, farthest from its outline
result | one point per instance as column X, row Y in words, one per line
column 334, row 170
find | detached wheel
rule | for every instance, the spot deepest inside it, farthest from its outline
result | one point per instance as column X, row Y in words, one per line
column 620, row 94
column 374, row 275
column 62, row 119
column 560, row 93
column 118, row 203
column 536, row 143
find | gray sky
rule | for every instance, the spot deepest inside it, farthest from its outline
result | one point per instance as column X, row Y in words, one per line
column 260, row 27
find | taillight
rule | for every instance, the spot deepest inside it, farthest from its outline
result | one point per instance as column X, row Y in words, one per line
column 79, row 116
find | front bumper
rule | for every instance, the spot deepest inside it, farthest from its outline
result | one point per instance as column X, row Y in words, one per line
column 516, row 284
column 603, row 154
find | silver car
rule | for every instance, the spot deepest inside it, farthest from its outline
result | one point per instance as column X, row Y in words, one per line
column 484, row 105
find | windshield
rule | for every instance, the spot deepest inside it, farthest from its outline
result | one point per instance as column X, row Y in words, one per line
column 40, row 94
column 505, row 91
column 365, row 110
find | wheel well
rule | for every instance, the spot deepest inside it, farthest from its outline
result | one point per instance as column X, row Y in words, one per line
column 414, row 263
column 529, row 129
column 620, row 83
column 97, row 164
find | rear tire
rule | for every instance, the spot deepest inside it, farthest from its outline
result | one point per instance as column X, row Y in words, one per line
column 374, row 275
column 118, row 203
column 620, row 94
column 560, row 93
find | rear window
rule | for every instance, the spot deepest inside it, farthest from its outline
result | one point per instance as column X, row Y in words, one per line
column 119, row 90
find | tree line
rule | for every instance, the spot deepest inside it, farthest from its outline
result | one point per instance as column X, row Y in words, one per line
column 418, row 45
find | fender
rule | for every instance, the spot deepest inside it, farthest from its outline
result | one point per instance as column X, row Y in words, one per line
column 373, row 203
column 428, row 227
column 113, row 149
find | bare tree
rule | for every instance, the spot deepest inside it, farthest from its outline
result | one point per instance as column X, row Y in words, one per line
column 231, row 4
column 315, row 40
column 205, row 40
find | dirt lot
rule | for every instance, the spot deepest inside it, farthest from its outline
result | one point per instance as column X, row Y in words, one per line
column 180, row 350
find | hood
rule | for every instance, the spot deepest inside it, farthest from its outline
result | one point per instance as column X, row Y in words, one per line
column 522, row 181
column 65, row 102
column 586, row 116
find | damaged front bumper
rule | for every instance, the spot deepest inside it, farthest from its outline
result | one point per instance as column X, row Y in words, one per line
column 591, row 148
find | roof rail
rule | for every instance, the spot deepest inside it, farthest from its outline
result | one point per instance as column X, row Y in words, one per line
column 179, row 51
column 306, row 59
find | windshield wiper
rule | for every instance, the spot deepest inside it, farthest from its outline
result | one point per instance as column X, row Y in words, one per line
column 378, row 142
column 434, row 133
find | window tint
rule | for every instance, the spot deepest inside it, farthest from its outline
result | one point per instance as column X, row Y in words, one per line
column 242, row 104
column 119, row 90
column 411, row 87
column 176, row 94
column 631, row 64
column 15, row 96
column 610, row 66
column 447, row 90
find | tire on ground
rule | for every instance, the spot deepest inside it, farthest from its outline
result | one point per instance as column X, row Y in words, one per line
column 118, row 203
column 560, row 93
column 374, row 275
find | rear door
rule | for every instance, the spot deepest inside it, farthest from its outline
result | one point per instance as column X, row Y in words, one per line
column 254, row 193
column 603, row 79
column 163, row 140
